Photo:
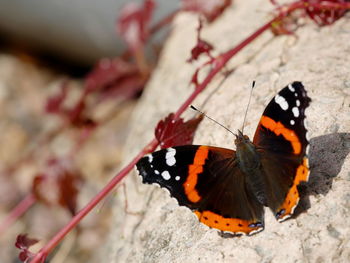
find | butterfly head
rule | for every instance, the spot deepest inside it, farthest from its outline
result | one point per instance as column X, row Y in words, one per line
column 241, row 139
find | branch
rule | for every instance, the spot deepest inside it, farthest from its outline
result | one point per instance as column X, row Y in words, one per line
column 17, row 212
column 218, row 63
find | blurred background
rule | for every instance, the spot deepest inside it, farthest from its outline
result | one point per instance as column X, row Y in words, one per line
column 68, row 85
column 69, row 33
column 71, row 73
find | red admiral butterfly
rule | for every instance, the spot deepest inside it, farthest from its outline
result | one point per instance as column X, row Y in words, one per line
column 227, row 189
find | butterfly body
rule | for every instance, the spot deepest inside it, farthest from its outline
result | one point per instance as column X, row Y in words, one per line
column 228, row 189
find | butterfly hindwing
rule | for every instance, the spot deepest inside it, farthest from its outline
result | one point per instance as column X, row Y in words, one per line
column 281, row 141
column 206, row 180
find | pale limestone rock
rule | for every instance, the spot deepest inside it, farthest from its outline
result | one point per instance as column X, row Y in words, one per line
column 319, row 57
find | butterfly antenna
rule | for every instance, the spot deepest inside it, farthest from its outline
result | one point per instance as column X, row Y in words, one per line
column 205, row 115
column 246, row 111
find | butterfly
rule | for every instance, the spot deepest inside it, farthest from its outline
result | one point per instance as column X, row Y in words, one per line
column 228, row 190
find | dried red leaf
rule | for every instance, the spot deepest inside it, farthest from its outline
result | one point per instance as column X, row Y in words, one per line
column 173, row 132
column 324, row 16
column 115, row 78
column 285, row 26
column 24, row 243
column 133, row 23
column 69, row 190
column 211, row 9
column 75, row 115
column 54, row 103
column 201, row 47
column 194, row 79
column 58, row 185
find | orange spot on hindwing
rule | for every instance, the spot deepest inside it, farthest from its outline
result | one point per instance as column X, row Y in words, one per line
column 234, row 225
column 193, row 171
column 279, row 129
column 292, row 198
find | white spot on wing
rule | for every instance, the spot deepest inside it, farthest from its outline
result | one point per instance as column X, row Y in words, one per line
column 307, row 149
column 308, row 172
column 295, row 111
column 170, row 157
column 255, row 231
column 166, row 175
column 282, row 102
column 177, row 178
column 307, row 162
column 150, row 158
column 292, row 122
column 291, row 88
column 156, row 171
column 298, row 103
column 293, row 208
column 286, row 216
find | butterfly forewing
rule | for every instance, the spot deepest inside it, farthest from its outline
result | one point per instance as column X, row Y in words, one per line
column 281, row 140
column 169, row 168
column 208, row 181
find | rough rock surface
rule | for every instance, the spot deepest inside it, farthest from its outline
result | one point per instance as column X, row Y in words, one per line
column 319, row 57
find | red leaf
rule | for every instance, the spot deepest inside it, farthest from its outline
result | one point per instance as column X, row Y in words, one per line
column 115, row 77
column 194, row 78
column 285, row 26
column 75, row 115
column 24, row 243
column 54, row 103
column 324, row 16
column 201, row 47
column 133, row 23
column 211, row 9
column 58, row 185
column 173, row 132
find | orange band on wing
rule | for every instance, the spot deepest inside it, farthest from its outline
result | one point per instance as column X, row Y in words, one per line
column 234, row 225
column 278, row 128
column 193, row 171
column 293, row 197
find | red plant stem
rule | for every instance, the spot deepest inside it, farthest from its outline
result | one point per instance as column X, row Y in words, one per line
column 154, row 29
column 141, row 61
column 139, row 54
column 166, row 20
column 149, row 148
column 328, row 5
column 41, row 255
column 17, row 212
column 221, row 60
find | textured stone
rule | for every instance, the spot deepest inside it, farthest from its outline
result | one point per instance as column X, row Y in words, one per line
column 319, row 57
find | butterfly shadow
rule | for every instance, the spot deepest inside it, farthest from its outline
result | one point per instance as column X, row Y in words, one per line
column 326, row 158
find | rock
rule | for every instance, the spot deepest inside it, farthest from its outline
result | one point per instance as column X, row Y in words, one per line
column 319, row 57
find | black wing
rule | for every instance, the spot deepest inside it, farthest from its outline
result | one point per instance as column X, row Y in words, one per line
column 206, row 180
column 281, row 140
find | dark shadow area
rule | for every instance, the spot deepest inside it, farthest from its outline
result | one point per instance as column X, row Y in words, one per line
column 326, row 158
column 227, row 234
column 60, row 63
